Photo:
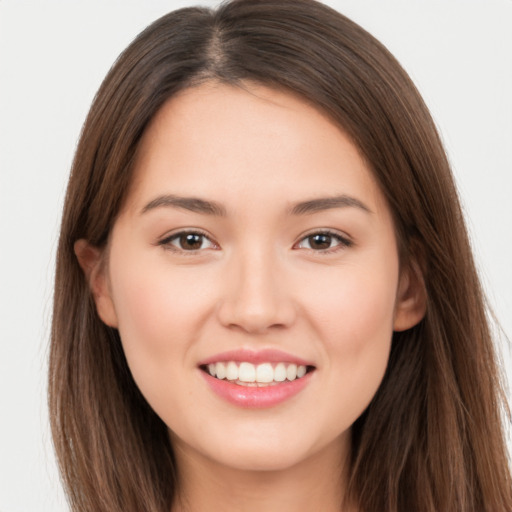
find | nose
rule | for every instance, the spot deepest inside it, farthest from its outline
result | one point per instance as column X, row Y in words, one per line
column 256, row 296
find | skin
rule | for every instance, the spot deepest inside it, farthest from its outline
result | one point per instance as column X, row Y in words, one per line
column 256, row 282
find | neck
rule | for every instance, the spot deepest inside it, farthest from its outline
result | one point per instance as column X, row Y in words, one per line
column 314, row 484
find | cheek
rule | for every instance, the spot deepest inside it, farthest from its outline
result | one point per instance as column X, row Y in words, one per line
column 155, row 305
column 160, row 313
column 353, row 305
column 354, row 320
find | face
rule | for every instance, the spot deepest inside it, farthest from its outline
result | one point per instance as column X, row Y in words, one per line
column 253, row 276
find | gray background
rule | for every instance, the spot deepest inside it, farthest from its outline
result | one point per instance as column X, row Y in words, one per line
column 53, row 56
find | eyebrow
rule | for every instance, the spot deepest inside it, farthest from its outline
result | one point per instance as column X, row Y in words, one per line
column 193, row 204
column 328, row 203
column 197, row 205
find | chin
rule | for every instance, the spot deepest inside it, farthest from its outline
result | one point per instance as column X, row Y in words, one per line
column 258, row 459
column 268, row 451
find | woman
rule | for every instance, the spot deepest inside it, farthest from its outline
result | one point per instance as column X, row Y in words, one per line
column 265, row 295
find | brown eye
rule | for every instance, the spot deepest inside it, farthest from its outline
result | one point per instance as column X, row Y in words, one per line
column 187, row 241
column 324, row 241
column 320, row 241
column 190, row 241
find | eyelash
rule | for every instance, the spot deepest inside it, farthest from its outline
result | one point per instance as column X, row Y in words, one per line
column 167, row 241
column 343, row 242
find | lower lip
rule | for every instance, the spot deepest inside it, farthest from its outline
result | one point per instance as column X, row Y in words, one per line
column 256, row 397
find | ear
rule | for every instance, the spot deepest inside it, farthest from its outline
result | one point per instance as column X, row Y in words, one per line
column 92, row 261
column 411, row 300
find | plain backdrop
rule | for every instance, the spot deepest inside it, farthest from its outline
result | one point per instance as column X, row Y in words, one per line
column 53, row 56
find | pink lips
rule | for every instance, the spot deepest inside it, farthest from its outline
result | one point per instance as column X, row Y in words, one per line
column 262, row 356
column 256, row 397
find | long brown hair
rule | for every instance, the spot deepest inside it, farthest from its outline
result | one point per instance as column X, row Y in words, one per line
column 432, row 438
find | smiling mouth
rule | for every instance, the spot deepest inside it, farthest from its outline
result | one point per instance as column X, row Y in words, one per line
column 256, row 375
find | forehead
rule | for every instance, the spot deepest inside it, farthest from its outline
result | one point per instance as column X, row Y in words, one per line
column 226, row 142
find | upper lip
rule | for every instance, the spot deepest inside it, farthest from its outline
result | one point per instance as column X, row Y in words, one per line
column 255, row 357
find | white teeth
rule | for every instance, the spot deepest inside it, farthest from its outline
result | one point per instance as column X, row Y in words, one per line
column 220, row 371
column 291, row 372
column 232, row 371
column 280, row 372
column 264, row 373
column 248, row 373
